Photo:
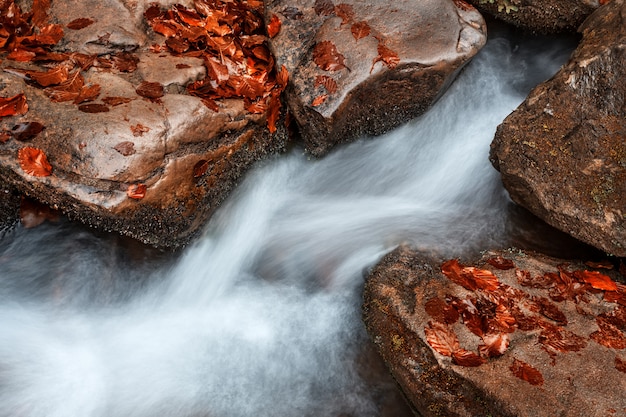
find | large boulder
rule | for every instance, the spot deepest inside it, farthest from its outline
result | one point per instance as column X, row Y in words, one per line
column 362, row 67
column 562, row 153
column 540, row 16
column 146, row 128
column 515, row 334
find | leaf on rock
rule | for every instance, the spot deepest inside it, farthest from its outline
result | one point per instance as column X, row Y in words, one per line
column 440, row 311
column 494, row 345
column 125, row 62
column 324, row 7
column 93, row 108
column 524, row 371
column 80, row 23
column 200, row 168
column 116, row 101
column 87, row 93
column 139, row 129
column 326, row 56
column 256, row 107
column 34, row 162
column 360, row 30
column 151, row 90
column 319, row 100
column 500, row 262
column 273, row 27
column 53, row 76
column 328, row 82
column 620, row 364
column 608, row 335
column 5, row 135
column 556, row 339
column 273, row 111
column 26, row 131
column 33, row 213
column 466, row 358
column 126, row 148
column 282, row 78
column 386, row 56
column 548, row 309
column 454, row 271
column 441, row 338
column 596, row 280
column 13, row 106
column 136, row 191
column 49, row 35
column 345, row 12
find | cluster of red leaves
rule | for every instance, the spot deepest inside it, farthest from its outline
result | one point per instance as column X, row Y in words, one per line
column 494, row 310
column 231, row 38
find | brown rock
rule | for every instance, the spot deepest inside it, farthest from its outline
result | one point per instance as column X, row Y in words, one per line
column 362, row 68
column 540, row 16
column 562, row 153
column 551, row 334
column 124, row 153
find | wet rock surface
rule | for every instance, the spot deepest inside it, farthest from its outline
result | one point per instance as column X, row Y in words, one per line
column 562, row 153
column 132, row 125
column 514, row 334
column 362, row 68
column 540, row 16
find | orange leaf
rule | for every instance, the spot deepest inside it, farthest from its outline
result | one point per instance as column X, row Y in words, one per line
column 608, row 335
column 495, row 344
column 12, row 106
column 282, row 77
column 454, row 271
column 441, row 338
column 326, row 56
column 79, row 23
column 136, row 191
column 360, row 30
column 524, row 371
column 328, row 82
column 500, row 262
column 485, row 279
column 387, row 56
column 345, row 12
column 440, row 311
column 596, row 280
column 317, row 101
column 467, row 358
column 49, row 35
column 34, row 162
column 150, row 90
column 273, row 111
column 139, row 129
column 273, row 26
column 53, row 76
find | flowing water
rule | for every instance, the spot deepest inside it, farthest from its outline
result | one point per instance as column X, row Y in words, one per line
column 261, row 316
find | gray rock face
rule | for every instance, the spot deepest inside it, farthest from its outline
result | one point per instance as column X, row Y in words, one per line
column 187, row 155
column 541, row 16
column 562, row 153
column 514, row 334
column 361, row 67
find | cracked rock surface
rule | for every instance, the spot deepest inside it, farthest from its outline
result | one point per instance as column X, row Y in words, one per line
column 362, row 68
column 562, row 153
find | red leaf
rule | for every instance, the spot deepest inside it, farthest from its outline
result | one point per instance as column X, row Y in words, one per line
column 53, row 76
column 256, row 107
column 454, row 271
column 4, row 136
column 139, row 129
column 126, row 148
column 49, row 35
column 273, row 111
column 596, row 280
column 326, row 56
column 125, row 62
column 441, row 338
column 150, row 90
column 80, row 23
column 12, row 106
column 608, row 335
column 136, row 191
column 484, row 279
column 273, row 27
column 88, row 93
column 93, row 108
column 319, row 100
column 495, row 344
column 360, row 30
column 26, row 131
column 200, row 168
column 34, row 162
column 387, row 56
column 557, row 339
column 500, row 262
column 345, row 12
column 549, row 310
column 467, row 358
column 620, row 364
column 328, row 82
column 282, row 77
column 524, row 371
column 441, row 311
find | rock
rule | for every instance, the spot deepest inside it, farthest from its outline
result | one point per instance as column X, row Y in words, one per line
column 362, row 68
column 552, row 334
column 540, row 16
column 139, row 126
column 9, row 206
column 562, row 153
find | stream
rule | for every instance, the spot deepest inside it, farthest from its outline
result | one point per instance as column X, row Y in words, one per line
column 261, row 315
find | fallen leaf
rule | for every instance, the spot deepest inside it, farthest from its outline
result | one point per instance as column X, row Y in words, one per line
column 273, row 111
column 324, row 7
column 500, row 262
column 34, row 162
column 524, row 371
column 549, row 310
column 494, row 344
column 13, row 106
column 126, row 148
column 136, row 191
column 79, row 23
column 200, row 168
column 387, row 56
column 608, row 335
column 94, row 108
column 4, row 136
column 282, row 77
column 440, row 311
column 273, row 27
column 139, row 129
column 556, row 339
column 345, row 12
column 319, row 100
column 326, row 56
column 466, row 358
column 463, row 5
column 125, row 62
column 620, row 364
column 327, row 82
column 26, row 131
column 596, row 280
column 150, row 90
column 605, row 264
column 53, row 76
column 441, row 338
column 360, row 30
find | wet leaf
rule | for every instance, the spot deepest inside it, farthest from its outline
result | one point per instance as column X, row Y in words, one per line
column 454, row 271
column 549, row 310
column 319, row 100
column 345, row 12
column 608, row 335
column 26, row 131
column 466, row 358
column 53, row 76
column 282, row 77
column 139, row 129
column 327, row 82
column 524, row 371
column 441, row 338
column 604, row 264
column 125, row 62
column 13, row 106
column 49, row 35
column 556, row 339
column 34, row 162
column 200, row 168
column 273, row 112
column 4, row 136
column 150, row 90
column 326, row 56
column 387, row 56
column 256, row 107
column 80, row 23
column 126, row 148
column 94, row 108
column 273, row 27
column 596, row 280
column 136, row 191
column 360, row 30
column 500, row 262
column 87, row 93
column 440, row 311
